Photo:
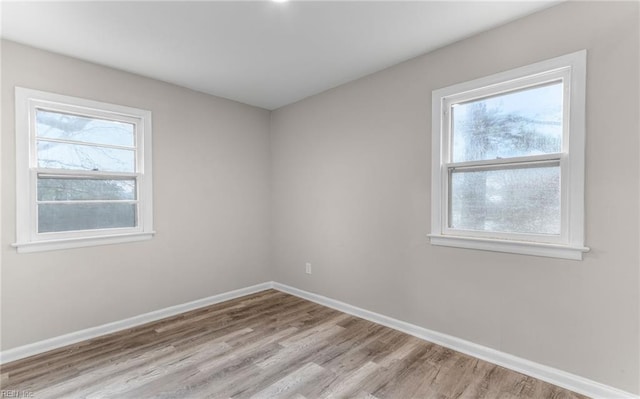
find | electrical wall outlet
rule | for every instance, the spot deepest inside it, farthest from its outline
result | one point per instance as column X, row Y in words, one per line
column 307, row 268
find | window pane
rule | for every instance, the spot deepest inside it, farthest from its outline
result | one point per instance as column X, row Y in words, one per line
column 70, row 217
column 84, row 157
column 68, row 189
column 523, row 200
column 50, row 124
column 519, row 123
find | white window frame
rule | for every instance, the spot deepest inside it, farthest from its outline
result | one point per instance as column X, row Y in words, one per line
column 569, row 244
column 27, row 237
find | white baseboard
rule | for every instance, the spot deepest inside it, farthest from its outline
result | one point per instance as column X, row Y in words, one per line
column 548, row 374
column 545, row 373
column 93, row 332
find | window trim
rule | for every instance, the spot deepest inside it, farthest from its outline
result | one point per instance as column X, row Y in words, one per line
column 571, row 68
column 27, row 237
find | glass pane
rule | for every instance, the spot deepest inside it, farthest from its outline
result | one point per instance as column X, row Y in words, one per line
column 84, row 157
column 50, row 124
column 518, row 123
column 69, row 189
column 71, row 217
column 523, row 200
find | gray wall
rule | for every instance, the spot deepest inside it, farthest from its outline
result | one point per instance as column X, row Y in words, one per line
column 351, row 195
column 211, row 160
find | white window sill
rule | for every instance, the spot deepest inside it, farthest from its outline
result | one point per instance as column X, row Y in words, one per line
column 515, row 247
column 52, row 245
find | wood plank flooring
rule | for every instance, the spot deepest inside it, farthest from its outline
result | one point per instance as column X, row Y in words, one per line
column 265, row 345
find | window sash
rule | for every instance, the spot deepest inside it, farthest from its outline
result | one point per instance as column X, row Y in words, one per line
column 551, row 76
column 562, row 74
column 35, row 173
column 88, row 112
column 478, row 166
column 458, row 132
column 503, row 164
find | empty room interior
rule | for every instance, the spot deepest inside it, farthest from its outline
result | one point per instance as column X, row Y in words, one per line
column 315, row 199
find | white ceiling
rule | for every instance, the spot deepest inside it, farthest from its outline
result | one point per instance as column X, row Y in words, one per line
column 265, row 54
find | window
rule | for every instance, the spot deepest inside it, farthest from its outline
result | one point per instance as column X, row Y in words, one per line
column 83, row 172
column 508, row 161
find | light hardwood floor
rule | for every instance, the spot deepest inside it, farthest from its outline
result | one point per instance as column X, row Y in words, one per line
column 266, row 345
